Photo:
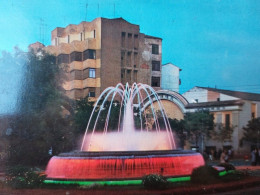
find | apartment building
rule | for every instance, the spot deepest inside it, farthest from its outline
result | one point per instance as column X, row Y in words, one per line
column 104, row 52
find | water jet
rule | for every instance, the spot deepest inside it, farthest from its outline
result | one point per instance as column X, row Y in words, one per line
column 130, row 151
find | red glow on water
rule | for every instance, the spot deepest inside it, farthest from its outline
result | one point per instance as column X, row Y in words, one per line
column 121, row 168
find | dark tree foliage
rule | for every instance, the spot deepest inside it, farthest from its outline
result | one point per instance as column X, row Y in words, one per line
column 222, row 132
column 252, row 131
column 194, row 127
column 40, row 126
column 40, row 83
column 198, row 125
column 178, row 126
column 113, row 116
column 83, row 112
column 83, row 109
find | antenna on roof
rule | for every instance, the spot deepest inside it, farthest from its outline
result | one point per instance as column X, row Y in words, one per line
column 114, row 10
column 42, row 30
column 98, row 9
column 86, row 11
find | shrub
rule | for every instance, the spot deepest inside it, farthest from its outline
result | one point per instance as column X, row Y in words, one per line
column 227, row 166
column 233, row 176
column 23, row 177
column 204, row 175
column 154, row 181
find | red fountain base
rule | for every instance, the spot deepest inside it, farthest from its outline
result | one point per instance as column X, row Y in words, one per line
column 90, row 166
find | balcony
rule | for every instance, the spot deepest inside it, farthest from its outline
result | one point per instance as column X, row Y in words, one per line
column 91, row 82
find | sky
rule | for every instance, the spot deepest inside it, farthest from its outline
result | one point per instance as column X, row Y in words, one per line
column 216, row 43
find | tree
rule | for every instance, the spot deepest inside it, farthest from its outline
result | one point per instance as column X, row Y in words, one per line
column 222, row 132
column 83, row 109
column 252, row 132
column 113, row 116
column 199, row 125
column 178, row 127
column 40, row 126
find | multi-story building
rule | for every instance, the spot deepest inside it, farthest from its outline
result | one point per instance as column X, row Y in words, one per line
column 230, row 108
column 104, row 52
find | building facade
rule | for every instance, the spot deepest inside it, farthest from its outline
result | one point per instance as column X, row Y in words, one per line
column 104, row 52
column 170, row 77
column 230, row 108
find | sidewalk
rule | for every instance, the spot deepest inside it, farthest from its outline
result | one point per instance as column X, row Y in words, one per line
column 246, row 167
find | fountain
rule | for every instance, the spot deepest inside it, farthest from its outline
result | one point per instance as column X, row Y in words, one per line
column 130, row 151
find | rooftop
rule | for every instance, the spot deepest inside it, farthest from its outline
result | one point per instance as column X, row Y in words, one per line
column 215, row 104
column 152, row 37
column 238, row 94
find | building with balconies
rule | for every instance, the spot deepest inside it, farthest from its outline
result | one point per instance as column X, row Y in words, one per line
column 104, row 52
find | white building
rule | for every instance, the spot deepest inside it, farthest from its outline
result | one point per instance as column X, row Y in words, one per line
column 229, row 108
column 170, row 77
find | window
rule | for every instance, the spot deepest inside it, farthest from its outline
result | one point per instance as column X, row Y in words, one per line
column 253, row 110
column 130, row 45
column 227, row 121
column 135, row 76
column 92, row 73
column 122, row 74
column 92, row 54
column 94, row 33
column 123, row 39
column 81, row 36
column 122, row 58
column 63, row 58
column 89, row 54
column 91, row 92
column 155, row 49
column 156, row 66
column 135, row 59
column 128, row 76
column 155, row 81
column 76, row 56
column 135, row 41
column 129, row 62
column 68, row 38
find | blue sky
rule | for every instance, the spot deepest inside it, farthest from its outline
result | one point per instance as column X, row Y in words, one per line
column 216, row 43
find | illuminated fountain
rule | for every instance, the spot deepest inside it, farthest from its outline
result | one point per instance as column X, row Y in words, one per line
column 131, row 151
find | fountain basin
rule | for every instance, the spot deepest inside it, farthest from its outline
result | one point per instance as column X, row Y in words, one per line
column 122, row 165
